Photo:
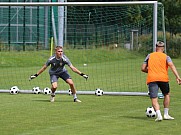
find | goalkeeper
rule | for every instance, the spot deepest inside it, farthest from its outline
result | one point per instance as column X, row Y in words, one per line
column 58, row 70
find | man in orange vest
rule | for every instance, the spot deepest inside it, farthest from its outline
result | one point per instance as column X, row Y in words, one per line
column 156, row 66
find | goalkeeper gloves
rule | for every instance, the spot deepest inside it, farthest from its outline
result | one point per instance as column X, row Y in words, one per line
column 84, row 75
column 33, row 76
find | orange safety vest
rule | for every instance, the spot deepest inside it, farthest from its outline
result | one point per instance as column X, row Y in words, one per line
column 157, row 68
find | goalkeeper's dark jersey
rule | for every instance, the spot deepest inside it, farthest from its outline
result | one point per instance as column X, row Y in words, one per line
column 57, row 65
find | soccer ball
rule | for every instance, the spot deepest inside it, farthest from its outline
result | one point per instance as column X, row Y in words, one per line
column 36, row 90
column 98, row 92
column 148, row 93
column 150, row 112
column 14, row 90
column 47, row 91
column 69, row 92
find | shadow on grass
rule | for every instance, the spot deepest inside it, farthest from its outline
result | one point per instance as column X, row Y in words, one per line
column 46, row 100
column 138, row 117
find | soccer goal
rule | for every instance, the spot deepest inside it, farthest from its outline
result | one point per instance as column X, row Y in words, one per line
column 106, row 40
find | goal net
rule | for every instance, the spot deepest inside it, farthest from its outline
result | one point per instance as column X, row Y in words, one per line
column 106, row 41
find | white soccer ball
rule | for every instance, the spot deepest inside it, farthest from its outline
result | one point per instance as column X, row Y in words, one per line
column 47, row 91
column 69, row 92
column 99, row 92
column 14, row 90
column 150, row 112
column 36, row 90
column 148, row 93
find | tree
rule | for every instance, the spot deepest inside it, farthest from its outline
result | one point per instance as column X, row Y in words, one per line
column 172, row 15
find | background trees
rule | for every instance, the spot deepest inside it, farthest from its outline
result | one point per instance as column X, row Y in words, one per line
column 172, row 15
column 172, row 11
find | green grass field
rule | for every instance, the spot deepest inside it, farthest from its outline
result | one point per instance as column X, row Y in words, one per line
column 30, row 114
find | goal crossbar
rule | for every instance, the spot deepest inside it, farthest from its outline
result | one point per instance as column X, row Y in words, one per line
column 75, row 3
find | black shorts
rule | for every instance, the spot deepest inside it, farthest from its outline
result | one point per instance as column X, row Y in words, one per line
column 63, row 75
column 153, row 88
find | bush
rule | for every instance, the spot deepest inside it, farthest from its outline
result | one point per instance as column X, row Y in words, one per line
column 173, row 47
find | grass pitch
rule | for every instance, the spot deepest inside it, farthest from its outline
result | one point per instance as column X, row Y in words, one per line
column 30, row 114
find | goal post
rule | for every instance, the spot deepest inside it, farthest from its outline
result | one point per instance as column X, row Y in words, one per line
column 106, row 40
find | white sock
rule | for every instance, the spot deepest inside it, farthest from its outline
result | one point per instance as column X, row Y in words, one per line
column 74, row 96
column 53, row 94
column 166, row 111
column 159, row 115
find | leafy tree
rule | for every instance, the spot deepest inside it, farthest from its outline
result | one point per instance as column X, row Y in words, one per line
column 172, row 15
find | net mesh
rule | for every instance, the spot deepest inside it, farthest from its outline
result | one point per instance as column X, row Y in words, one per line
column 108, row 43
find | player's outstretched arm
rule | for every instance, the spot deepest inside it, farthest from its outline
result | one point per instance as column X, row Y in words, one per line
column 85, row 76
column 74, row 69
column 179, row 81
column 38, row 73
column 174, row 70
column 33, row 76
